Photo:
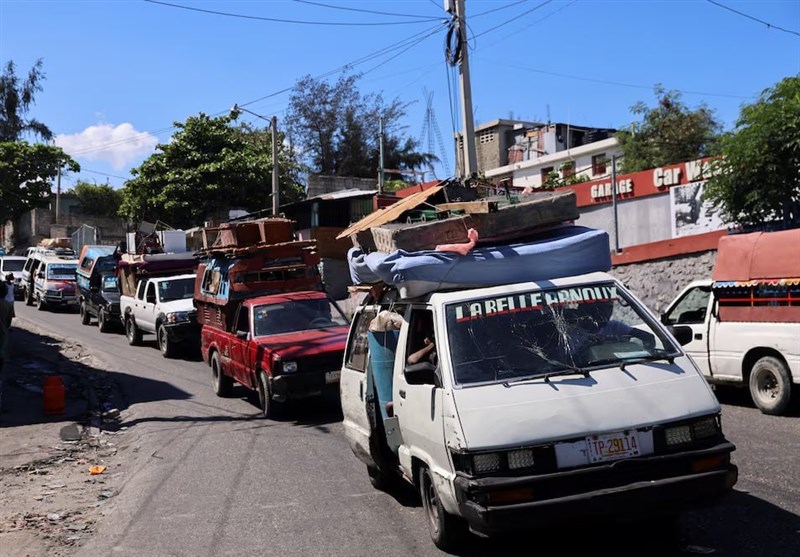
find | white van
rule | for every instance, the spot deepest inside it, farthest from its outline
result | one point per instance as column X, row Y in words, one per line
column 540, row 402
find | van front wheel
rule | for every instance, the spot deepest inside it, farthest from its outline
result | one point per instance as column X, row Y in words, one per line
column 448, row 532
column 770, row 385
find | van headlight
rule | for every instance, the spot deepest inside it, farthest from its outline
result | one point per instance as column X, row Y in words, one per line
column 485, row 463
column 687, row 433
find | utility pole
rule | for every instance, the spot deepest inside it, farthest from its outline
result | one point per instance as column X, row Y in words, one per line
column 614, row 201
column 468, row 124
column 275, row 185
column 380, row 150
column 58, row 192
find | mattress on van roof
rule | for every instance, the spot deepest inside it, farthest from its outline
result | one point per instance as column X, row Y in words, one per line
column 561, row 252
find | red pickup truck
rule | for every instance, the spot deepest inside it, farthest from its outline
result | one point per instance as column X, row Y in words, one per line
column 284, row 346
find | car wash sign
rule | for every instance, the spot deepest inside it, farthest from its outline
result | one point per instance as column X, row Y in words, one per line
column 534, row 301
column 641, row 184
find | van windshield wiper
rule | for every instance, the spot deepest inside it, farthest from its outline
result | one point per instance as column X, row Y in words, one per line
column 570, row 370
column 670, row 358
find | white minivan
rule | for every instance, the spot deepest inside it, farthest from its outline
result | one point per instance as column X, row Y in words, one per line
column 526, row 404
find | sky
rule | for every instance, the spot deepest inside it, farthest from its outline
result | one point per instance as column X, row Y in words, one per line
column 119, row 74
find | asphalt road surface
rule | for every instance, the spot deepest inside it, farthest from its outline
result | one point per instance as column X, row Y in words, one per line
column 207, row 477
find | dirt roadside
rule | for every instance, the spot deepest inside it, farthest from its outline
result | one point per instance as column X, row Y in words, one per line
column 50, row 501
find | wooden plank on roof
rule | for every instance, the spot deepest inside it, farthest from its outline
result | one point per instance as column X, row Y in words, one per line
column 482, row 206
column 390, row 213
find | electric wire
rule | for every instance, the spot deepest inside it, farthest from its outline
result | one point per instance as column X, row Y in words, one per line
column 608, row 82
column 513, row 19
column 280, row 20
column 385, row 50
column 511, row 5
column 528, row 26
column 768, row 24
column 321, row 4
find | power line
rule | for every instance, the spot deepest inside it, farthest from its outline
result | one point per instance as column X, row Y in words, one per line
column 426, row 17
column 607, row 82
column 279, row 20
column 513, row 19
column 521, row 29
column 768, row 24
column 511, row 5
column 103, row 174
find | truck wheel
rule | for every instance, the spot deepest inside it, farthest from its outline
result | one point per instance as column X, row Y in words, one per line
column 28, row 297
column 102, row 321
column 85, row 317
column 166, row 346
column 39, row 303
column 770, row 385
column 222, row 383
column 270, row 409
column 448, row 532
column 132, row 332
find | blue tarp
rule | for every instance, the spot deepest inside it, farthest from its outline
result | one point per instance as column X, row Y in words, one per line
column 565, row 251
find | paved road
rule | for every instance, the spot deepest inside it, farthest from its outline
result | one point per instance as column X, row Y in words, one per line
column 207, row 477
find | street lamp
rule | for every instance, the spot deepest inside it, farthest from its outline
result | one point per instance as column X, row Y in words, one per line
column 273, row 124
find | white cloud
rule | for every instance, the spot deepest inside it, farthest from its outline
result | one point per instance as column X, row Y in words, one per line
column 116, row 145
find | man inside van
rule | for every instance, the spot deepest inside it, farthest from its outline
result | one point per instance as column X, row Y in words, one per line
column 425, row 341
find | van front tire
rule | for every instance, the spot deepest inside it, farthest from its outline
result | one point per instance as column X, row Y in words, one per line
column 770, row 385
column 448, row 532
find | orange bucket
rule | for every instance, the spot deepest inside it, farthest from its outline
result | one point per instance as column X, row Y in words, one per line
column 53, row 395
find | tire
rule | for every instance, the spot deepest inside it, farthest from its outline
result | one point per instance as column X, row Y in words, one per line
column 28, row 296
column 221, row 383
column 270, row 409
column 102, row 321
column 770, row 385
column 167, row 347
column 40, row 304
column 448, row 532
column 132, row 332
column 85, row 317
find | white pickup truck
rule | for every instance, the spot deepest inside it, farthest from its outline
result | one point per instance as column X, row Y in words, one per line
column 164, row 307
column 745, row 321
column 763, row 355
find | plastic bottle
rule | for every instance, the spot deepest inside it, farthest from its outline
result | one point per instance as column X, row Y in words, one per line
column 53, row 395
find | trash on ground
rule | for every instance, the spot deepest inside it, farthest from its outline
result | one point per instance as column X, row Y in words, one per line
column 99, row 469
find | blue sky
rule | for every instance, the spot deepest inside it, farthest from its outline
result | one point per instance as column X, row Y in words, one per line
column 120, row 73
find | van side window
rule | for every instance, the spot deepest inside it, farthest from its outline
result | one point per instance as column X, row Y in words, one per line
column 28, row 264
column 151, row 293
column 358, row 347
column 691, row 309
column 421, row 346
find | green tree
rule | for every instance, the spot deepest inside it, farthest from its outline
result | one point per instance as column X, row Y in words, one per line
column 16, row 99
column 757, row 178
column 338, row 129
column 668, row 133
column 98, row 199
column 209, row 166
column 26, row 176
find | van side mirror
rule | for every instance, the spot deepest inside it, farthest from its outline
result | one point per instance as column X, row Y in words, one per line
column 683, row 334
column 665, row 319
column 423, row 373
column 40, row 275
column 244, row 335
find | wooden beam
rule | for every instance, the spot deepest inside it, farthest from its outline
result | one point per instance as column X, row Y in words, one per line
column 470, row 207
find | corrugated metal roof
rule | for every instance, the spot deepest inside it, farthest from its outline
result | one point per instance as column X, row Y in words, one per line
column 390, row 213
column 344, row 194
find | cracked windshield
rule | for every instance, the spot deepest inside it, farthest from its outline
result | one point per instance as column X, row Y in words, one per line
column 545, row 331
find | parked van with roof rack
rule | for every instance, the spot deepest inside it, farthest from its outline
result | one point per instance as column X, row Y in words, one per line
column 34, row 287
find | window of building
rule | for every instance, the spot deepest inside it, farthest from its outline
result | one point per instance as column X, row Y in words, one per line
column 486, row 136
column 568, row 169
column 599, row 164
column 546, row 173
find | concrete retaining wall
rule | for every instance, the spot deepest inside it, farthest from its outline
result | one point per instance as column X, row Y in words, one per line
column 657, row 282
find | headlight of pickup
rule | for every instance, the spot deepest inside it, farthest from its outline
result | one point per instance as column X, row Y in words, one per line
column 178, row 317
column 289, row 367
